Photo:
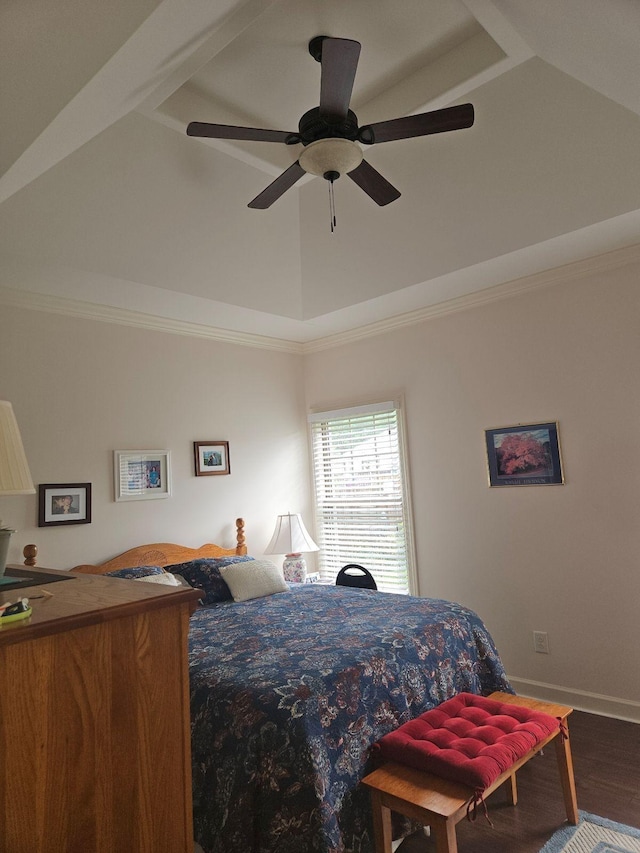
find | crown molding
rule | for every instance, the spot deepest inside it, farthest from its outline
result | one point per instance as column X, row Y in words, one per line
column 547, row 278
column 125, row 317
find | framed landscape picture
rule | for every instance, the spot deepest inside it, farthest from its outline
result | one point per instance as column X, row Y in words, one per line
column 141, row 475
column 211, row 457
column 524, row 455
column 65, row 503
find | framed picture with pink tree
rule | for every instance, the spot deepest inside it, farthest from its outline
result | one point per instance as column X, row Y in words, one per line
column 524, row 455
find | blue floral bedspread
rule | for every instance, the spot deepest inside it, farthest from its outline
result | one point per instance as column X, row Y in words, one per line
column 289, row 692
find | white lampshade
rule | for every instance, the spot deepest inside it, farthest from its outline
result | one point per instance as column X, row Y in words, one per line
column 291, row 539
column 15, row 478
column 290, row 536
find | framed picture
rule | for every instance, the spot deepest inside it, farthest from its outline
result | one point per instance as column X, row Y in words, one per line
column 211, row 457
column 141, row 475
column 64, row 503
column 524, row 455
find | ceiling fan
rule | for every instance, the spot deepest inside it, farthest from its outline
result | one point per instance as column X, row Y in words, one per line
column 330, row 133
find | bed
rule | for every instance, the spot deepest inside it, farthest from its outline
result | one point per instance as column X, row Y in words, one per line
column 290, row 690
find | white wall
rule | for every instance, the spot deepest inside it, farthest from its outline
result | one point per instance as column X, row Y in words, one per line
column 81, row 389
column 562, row 559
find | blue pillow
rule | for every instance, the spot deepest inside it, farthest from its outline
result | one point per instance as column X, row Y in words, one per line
column 205, row 574
column 136, row 572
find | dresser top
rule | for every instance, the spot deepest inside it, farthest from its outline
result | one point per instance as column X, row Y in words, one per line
column 82, row 600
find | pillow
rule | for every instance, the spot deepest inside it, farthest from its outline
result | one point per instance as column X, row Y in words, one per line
column 136, row 572
column 205, row 574
column 180, row 581
column 254, row 581
column 165, row 578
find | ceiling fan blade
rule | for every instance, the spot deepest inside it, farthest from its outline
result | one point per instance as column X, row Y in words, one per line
column 375, row 186
column 229, row 131
column 278, row 187
column 339, row 64
column 437, row 121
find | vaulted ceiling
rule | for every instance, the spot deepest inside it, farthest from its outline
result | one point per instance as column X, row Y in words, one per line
column 107, row 205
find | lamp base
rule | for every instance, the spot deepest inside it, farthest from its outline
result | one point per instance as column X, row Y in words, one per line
column 5, row 536
column 294, row 568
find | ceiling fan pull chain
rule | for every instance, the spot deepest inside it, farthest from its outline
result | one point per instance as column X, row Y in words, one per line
column 332, row 205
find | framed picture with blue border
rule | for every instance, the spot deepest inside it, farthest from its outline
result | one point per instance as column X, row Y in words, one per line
column 524, row 455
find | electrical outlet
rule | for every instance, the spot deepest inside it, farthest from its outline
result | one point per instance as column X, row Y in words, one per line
column 541, row 642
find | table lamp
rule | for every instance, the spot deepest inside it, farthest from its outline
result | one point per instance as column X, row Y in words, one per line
column 15, row 478
column 291, row 539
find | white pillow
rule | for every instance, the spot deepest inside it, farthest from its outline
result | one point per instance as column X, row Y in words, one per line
column 166, row 578
column 253, row 579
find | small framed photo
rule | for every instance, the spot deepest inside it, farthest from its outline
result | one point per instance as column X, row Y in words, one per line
column 524, row 455
column 211, row 457
column 65, row 503
column 141, row 475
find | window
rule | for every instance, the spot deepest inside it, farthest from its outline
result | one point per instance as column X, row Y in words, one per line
column 361, row 496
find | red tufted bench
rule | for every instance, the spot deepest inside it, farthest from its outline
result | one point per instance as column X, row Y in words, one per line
column 439, row 765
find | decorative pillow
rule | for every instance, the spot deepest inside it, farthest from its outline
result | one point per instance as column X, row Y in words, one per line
column 166, row 578
column 254, row 581
column 180, row 581
column 136, row 572
column 205, row 574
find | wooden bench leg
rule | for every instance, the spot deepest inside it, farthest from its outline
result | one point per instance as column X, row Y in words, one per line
column 444, row 830
column 512, row 790
column 565, row 766
column 381, row 823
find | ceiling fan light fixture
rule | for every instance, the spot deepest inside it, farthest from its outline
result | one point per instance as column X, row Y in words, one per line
column 331, row 155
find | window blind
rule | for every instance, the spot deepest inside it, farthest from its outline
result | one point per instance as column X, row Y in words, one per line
column 361, row 498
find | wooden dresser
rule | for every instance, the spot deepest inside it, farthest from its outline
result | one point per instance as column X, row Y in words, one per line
column 95, row 752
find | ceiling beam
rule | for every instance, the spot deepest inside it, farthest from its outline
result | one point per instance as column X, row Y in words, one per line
column 156, row 50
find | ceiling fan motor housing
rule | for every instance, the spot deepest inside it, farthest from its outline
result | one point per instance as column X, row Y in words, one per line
column 313, row 126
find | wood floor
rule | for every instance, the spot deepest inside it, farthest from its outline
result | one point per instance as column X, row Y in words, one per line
column 606, row 759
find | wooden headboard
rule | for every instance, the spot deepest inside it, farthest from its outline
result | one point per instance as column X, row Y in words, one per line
column 154, row 554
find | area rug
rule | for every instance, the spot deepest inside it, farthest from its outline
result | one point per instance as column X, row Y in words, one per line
column 594, row 835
